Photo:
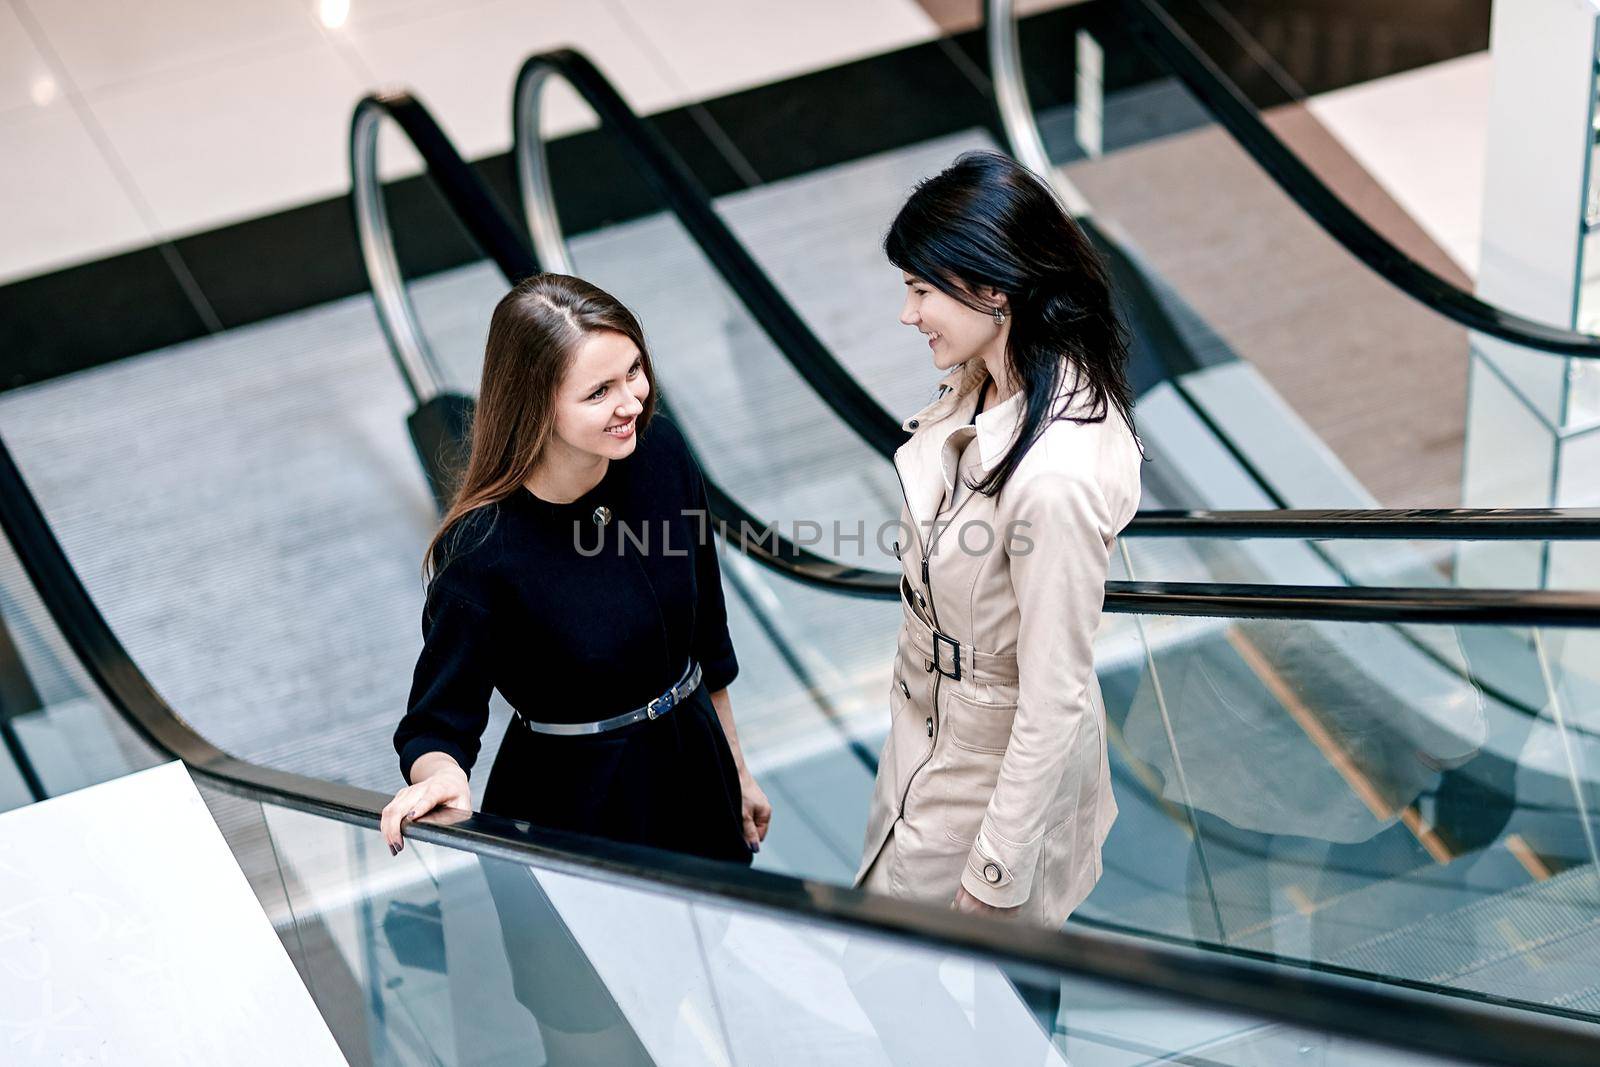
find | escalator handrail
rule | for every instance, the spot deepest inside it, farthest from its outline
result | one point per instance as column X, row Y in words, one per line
column 1430, row 1024
column 1016, row 112
column 1386, row 524
column 470, row 200
column 1338, row 603
column 1226, row 102
column 1426, row 1024
column 672, row 180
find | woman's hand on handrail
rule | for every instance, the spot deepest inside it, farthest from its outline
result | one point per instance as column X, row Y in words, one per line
column 437, row 782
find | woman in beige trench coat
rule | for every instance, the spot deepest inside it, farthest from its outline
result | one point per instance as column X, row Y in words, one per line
column 993, row 792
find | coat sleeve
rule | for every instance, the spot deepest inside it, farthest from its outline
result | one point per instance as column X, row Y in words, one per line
column 713, row 645
column 1058, row 565
column 449, row 704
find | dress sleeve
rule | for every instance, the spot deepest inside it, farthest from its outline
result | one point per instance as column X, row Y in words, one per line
column 449, row 704
column 713, row 645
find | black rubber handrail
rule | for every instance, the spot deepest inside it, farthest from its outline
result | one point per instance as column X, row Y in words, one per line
column 1337, row 603
column 671, row 179
column 470, row 200
column 1430, row 1024
column 1377, row 524
column 1154, row 26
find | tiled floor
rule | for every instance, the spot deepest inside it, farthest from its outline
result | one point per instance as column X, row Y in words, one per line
column 1380, row 379
column 142, row 122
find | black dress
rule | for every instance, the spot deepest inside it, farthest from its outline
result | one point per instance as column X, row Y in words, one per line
column 574, row 621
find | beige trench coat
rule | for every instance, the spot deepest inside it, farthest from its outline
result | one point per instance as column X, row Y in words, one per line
column 994, row 775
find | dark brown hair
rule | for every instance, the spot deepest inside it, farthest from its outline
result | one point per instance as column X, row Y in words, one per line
column 534, row 333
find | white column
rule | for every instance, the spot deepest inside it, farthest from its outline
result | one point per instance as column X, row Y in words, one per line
column 1533, row 419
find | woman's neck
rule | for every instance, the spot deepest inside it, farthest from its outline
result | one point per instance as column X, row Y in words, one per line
column 563, row 475
column 999, row 381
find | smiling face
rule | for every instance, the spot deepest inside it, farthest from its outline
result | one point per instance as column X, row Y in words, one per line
column 955, row 332
column 601, row 395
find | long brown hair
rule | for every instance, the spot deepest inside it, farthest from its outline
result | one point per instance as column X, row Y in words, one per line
column 534, row 332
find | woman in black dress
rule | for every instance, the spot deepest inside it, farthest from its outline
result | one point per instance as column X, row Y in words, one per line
column 575, row 572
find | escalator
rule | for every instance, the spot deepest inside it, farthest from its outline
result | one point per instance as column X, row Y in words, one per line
column 1323, row 786
column 1387, row 797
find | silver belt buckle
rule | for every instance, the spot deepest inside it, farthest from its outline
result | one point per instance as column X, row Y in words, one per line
column 665, row 703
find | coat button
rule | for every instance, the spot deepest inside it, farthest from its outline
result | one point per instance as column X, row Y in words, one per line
column 921, row 603
column 930, row 726
column 905, row 690
column 991, row 873
column 897, row 550
column 913, row 424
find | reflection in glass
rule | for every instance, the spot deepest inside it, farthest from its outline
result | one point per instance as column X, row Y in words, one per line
column 445, row 957
column 1408, row 801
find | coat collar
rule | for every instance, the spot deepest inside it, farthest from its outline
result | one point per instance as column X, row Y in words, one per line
column 952, row 387
column 996, row 426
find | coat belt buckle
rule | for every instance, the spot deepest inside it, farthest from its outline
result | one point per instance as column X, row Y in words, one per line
column 955, row 656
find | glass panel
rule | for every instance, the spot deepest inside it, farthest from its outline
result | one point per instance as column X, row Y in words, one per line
column 1408, row 801
column 57, row 733
column 811, row 712
column 445, row 957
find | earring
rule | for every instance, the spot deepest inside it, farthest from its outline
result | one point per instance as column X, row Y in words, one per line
column 999, row 316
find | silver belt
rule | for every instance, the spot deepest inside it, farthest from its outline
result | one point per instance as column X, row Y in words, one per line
column 653, row 710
